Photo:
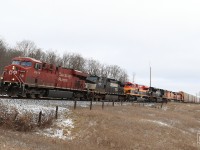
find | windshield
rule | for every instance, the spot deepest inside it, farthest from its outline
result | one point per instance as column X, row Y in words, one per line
column 93, row 79
column 26, row 63
column 16, row 62
column 23, row 63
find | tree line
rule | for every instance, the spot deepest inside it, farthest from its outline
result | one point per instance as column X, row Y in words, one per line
column 75, row 61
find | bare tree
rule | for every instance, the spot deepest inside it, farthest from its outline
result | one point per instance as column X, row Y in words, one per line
column 3, row 51
column 66, row 60
column 27, row 47
column 59, row 61
column 74, row 61
column 77, row 62
column 93, row 67
column 105, row 71
column 115, row 70
column 37, row 54
column 123, row 76
column 51, row 57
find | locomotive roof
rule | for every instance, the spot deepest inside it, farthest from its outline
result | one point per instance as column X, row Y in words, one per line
column 27, row 59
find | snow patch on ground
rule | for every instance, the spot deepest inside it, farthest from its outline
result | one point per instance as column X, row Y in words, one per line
column 92, row 123
column 165, row 108
column 61, row 129
column 193, row 130
column 160, row 123
column 150, row 104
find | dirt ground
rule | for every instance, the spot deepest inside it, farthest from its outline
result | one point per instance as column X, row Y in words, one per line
column 174, row 126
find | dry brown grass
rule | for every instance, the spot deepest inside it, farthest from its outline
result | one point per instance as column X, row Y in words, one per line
column 120, row 127
column 131, row 127
column 11, row 118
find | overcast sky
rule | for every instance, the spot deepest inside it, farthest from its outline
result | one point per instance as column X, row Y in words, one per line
column 130, row 33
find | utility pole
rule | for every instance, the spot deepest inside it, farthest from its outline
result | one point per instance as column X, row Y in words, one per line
column 196, row 98
column 150, row 76
column 133, row 77
column 199, row 96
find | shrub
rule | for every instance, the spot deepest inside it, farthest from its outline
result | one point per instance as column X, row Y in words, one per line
column 11, row 118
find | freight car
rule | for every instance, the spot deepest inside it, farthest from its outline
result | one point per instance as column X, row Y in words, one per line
column 187, row 98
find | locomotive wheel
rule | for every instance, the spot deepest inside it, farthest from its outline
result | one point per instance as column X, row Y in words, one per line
column 37, row 96
column 19, row 96
column 28, row 95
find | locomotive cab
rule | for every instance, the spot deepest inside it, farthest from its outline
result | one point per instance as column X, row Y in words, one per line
column 130, row 88
column 16, row 75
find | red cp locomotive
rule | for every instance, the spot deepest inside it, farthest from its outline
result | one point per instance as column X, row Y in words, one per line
column 32, row 78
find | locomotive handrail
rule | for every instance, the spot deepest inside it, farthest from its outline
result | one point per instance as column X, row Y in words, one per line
column 19, row 78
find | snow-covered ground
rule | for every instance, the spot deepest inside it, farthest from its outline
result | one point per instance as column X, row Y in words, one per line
column 158, row 122
column 61, row 128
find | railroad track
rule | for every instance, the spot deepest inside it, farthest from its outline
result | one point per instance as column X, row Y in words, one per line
column 61, row 99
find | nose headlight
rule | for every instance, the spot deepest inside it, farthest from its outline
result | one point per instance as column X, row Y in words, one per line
column 13, row 67
column 13, row 79
column 1, row 78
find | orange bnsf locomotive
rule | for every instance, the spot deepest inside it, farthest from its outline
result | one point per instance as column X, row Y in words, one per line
column 143, row 93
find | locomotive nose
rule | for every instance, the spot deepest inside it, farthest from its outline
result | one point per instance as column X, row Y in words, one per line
column 11, row 74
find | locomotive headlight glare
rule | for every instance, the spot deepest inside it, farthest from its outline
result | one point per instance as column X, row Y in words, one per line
column 13, row 79
column 13, row 67
column 1, row 78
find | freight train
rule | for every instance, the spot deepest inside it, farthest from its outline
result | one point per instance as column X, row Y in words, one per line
column 31, row 78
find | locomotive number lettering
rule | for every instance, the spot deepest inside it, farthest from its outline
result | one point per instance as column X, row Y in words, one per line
column 12, row 72
column 36, row 72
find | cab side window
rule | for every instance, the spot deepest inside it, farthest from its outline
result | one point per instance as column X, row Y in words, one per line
column 38, row 66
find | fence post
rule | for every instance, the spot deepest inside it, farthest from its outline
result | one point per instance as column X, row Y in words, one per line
column 113, row 103
column 91, row 103
column 102, row 104
column 75, row 103
column 56, row 112
column 40, row 116
column 161, row 105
